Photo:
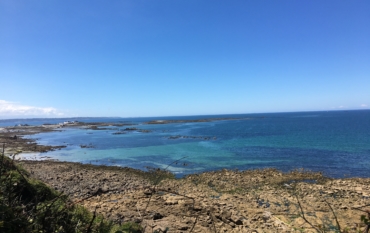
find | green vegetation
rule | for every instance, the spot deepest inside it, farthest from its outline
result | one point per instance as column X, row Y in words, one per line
column 28, row 205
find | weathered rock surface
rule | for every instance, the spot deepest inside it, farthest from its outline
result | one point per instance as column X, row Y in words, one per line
column 223, row 201
column 14, row 142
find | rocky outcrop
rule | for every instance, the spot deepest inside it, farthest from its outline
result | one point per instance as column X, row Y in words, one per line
column 228, row 201
column 192, row 121
column 192, row 137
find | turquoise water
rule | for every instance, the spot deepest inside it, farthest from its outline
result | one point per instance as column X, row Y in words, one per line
column 336, row 143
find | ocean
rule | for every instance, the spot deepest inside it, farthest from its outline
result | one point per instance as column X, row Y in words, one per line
column 336, row 143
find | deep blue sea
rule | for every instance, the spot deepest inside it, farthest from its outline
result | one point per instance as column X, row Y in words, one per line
column 335, row 142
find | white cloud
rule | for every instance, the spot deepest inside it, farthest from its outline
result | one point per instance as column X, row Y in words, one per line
column 11, row 109
column 363, row 105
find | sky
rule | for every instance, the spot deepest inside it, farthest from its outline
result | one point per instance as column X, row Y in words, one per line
column 134, row 58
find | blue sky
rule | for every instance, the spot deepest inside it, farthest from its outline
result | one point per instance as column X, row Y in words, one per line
column 182, row 57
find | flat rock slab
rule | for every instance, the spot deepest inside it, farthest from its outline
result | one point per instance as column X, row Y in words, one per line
column 228, row 201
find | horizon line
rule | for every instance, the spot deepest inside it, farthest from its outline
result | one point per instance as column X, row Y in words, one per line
column 71, row 117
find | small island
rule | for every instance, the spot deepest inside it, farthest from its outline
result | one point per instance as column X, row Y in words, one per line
column 153, row 122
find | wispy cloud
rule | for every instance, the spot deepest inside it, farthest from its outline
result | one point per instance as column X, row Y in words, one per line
column 338, row 107
column 363, row 106
column 11, row 109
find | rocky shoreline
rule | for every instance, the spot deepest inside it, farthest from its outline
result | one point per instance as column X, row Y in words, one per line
column 192, row 121
column 228, row 201
column 221, row 201
column 12, row 138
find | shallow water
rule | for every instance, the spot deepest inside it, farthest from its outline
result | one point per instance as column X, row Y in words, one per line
column 336, row 143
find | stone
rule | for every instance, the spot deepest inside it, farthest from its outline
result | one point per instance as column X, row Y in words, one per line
column 226, row 215
column 147, row 192
column 183, row 228
column 171, row 202
column 157, row 216
column 237, row 220
column 266, row 216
